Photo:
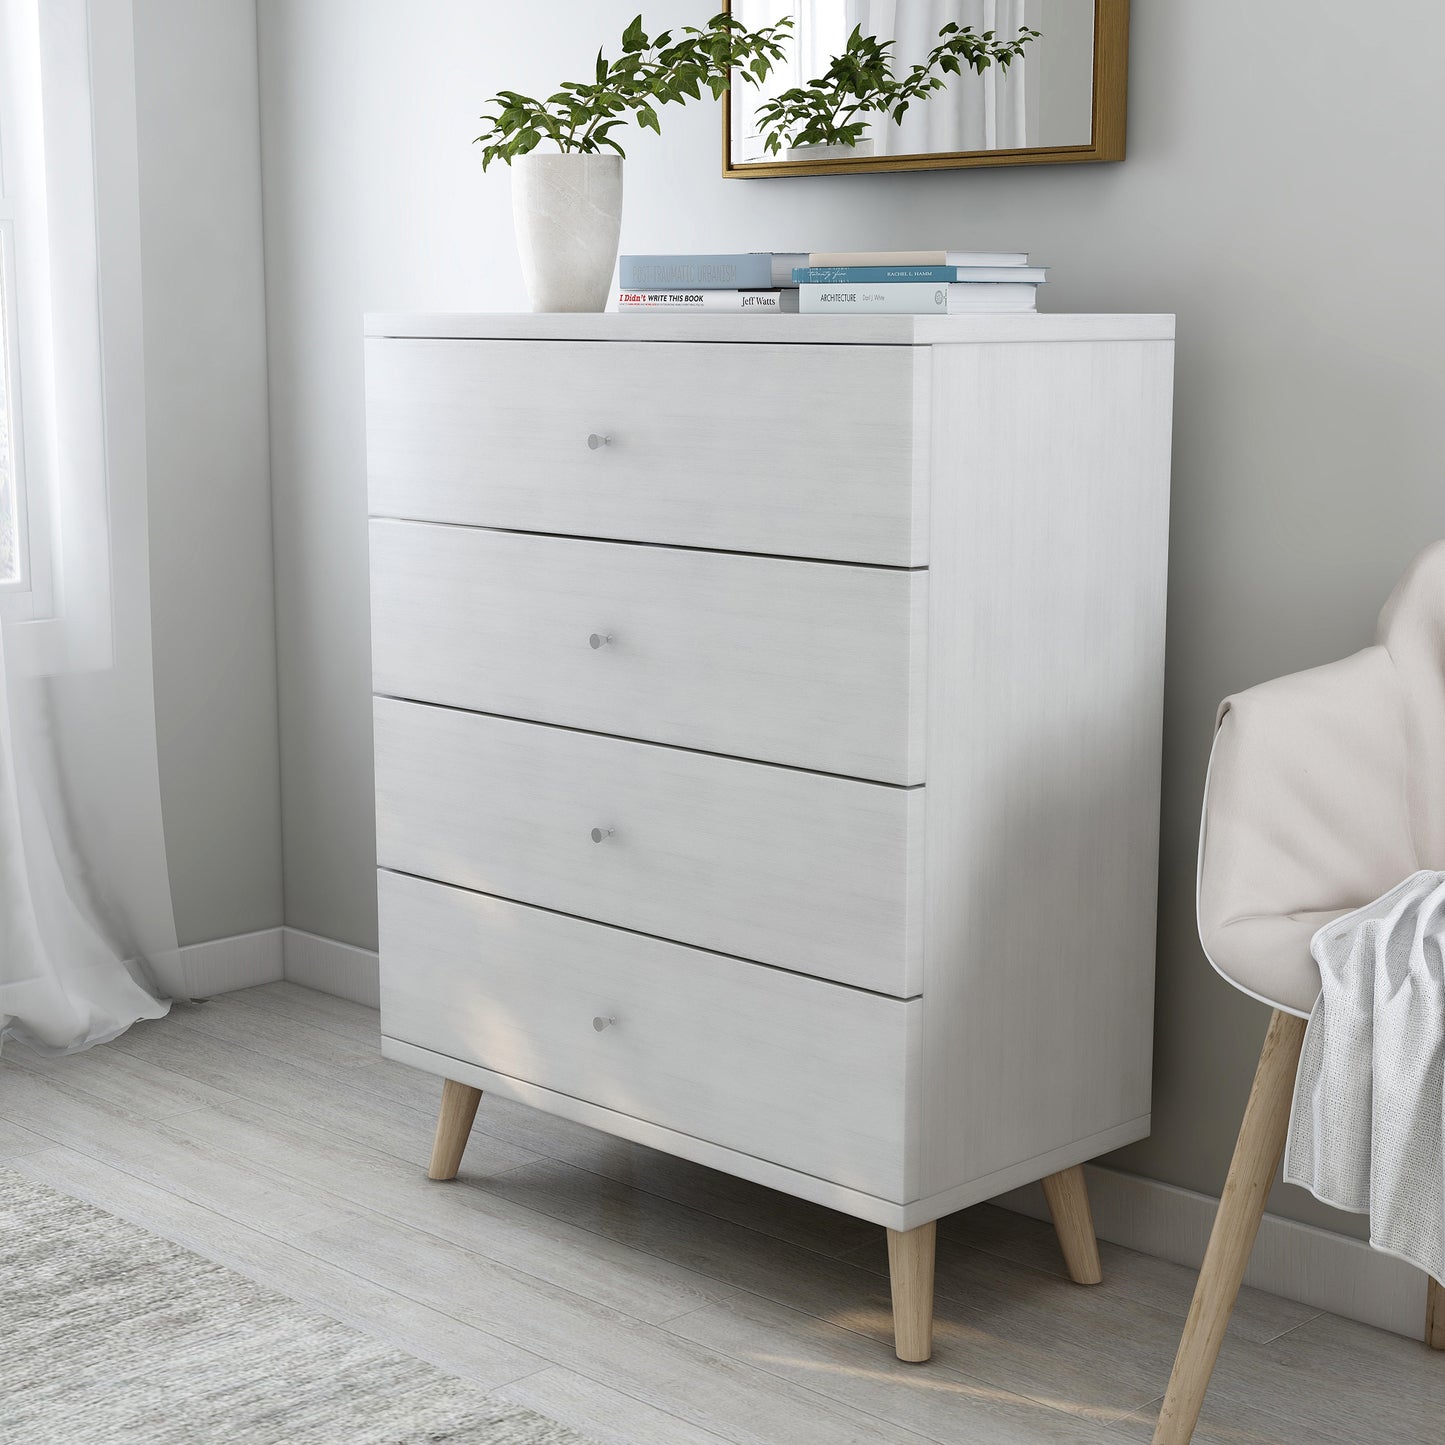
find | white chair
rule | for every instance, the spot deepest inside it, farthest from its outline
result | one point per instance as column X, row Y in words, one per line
column 1325, row 789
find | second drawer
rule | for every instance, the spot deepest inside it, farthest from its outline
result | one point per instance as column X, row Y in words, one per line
column 816, row 874
column 814, row 664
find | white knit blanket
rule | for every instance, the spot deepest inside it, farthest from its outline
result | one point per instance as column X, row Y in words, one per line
column 1367, row 1130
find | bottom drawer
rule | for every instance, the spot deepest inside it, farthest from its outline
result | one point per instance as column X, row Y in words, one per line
column 810, row 1075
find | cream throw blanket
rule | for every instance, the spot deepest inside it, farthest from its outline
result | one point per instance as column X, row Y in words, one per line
column 1367, row 1131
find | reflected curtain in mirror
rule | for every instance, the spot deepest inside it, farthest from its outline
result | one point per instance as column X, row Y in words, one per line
column 974, row 112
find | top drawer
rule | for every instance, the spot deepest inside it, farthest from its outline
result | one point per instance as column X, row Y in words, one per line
column 803, row 451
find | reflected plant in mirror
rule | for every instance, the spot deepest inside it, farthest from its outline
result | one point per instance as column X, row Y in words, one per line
column 859, row 86
column 929, row 84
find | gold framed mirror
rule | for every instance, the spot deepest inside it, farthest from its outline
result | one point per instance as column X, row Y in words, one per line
column 1056, row 95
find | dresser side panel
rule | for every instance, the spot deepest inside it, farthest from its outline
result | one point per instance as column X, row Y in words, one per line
column 921, row 449
column 1049, row 517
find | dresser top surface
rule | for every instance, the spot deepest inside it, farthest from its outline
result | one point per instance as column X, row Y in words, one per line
column 808, row 330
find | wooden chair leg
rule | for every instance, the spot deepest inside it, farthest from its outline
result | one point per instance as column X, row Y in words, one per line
column 454, row 1125
column 1068, row 1198
column 1435, row 1315
column 910, row 1272
column 1251, row 1172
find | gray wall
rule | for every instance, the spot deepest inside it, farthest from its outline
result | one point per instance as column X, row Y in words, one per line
column 212, row 612
column 1278, row 197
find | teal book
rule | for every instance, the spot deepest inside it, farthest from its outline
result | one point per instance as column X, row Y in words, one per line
column 918, row 275
column 834, row 275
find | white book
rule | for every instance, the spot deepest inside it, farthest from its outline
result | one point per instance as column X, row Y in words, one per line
column 918, row 258
column 760, row 301
column 915, row 299
column 1013, row 275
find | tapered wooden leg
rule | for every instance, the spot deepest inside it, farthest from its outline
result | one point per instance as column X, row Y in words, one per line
column 1435, row 1315
column 1251, row 1172
column 454, row 1125
column 910, row 1271
column 1068, row 1197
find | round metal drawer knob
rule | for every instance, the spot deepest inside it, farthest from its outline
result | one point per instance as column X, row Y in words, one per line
column 594, row 441
column 601, row 835
column 599, row 639
column 600, row 1023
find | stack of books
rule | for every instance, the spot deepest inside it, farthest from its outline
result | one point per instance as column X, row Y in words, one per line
column 752, row 281
column 832, row 282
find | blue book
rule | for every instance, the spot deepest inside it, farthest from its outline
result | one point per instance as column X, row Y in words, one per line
column 747, row 271
column 833, row 275
column 920, row 275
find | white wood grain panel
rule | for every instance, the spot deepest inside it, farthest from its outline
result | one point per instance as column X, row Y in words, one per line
column 762, row 449
column 1046, row 657
column 812, row 873
column 811, row 664
column 798, row 1072
column 776, row 330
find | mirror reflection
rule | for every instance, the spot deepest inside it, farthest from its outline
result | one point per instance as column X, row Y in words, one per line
column 1012, row 75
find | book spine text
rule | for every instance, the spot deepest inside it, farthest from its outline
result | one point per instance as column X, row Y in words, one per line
column 850, row 275
column 906, row 298
column 628, row 300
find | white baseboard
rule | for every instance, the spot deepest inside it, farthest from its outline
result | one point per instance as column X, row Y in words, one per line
column 226, row 964
column 331, row 967
column 272, row 954
column 1316, row 1267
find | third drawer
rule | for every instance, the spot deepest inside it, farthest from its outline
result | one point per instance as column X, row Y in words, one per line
column 816, row 874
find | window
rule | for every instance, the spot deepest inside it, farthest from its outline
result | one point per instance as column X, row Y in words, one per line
column 13, row 540
column 21, row 591
column 40, row 112
column 69, row 252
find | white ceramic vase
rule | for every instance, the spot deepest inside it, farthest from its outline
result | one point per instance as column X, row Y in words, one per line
column 568, row 212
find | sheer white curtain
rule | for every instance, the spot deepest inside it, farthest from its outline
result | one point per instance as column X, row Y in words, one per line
column 87, row 933
column 975, row 112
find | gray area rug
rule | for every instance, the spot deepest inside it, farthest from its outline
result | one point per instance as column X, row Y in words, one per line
column 112, row 1336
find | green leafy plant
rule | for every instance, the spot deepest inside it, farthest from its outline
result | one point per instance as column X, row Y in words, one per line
column 834, row 109
column 672, row 67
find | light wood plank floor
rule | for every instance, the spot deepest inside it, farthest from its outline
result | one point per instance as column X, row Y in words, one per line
column 638, row 1298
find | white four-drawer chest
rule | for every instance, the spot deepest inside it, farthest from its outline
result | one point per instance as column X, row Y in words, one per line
column 767, row 741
